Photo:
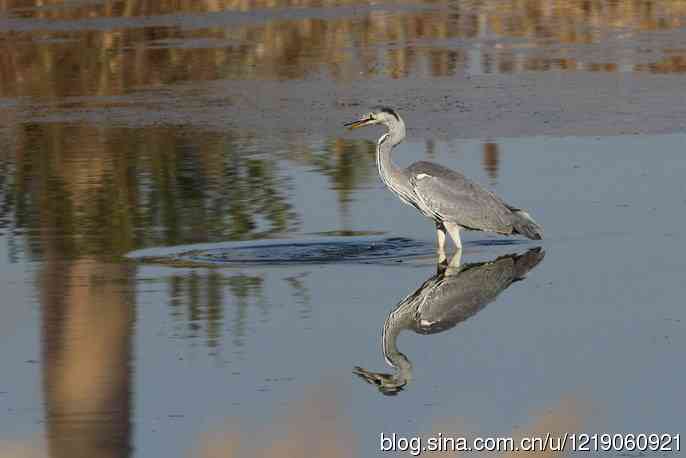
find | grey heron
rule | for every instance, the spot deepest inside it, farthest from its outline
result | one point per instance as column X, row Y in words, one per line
column 448, row 298
column 452, row 200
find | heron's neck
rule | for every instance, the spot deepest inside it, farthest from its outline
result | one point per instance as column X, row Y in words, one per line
column 396, row 321
column 390, row 173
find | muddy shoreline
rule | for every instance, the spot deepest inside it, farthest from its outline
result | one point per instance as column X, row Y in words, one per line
column 529, row 104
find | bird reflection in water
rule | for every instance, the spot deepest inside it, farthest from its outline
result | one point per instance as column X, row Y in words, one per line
column 454, row 294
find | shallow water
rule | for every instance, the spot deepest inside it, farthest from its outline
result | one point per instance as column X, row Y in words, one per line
column 124, row 131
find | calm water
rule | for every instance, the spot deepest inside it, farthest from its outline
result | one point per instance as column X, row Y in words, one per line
column 122, row 129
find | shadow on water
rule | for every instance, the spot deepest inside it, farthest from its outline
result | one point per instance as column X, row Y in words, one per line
column 453, row 295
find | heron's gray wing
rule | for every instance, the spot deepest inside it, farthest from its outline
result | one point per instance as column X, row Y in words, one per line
column 457, row 297
column 453, row 298
column 450, row 196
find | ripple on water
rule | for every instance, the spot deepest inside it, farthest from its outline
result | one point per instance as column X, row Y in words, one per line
column 279, row 252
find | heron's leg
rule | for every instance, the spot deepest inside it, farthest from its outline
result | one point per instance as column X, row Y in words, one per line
column 440, row 233
column 454, row 231
column 454, row 263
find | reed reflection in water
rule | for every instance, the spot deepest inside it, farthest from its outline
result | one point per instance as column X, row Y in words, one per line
column 112, row 191
column 104, row 49
column 88, row 313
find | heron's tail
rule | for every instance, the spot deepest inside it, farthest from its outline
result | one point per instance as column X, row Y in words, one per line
column 525, row 225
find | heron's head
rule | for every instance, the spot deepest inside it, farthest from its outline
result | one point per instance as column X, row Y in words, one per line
column 387, row 384
column 382, row 115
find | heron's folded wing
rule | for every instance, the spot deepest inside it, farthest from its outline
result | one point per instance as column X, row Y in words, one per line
column 453, row 197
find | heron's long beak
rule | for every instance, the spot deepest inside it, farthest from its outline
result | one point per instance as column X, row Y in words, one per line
column 373, row 378
column 359, row 123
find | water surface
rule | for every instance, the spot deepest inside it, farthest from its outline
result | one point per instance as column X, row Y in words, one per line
column 161, row 126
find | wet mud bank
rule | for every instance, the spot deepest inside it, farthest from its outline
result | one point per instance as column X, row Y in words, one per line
column 521, row 105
